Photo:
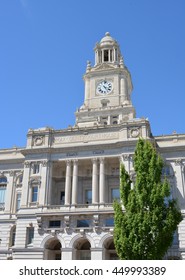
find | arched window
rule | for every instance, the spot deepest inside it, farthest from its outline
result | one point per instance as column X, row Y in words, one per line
column 3, row 186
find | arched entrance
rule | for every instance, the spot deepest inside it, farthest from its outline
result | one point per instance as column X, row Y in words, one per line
column 110, row 252
column 83, row 249
column 52, row 250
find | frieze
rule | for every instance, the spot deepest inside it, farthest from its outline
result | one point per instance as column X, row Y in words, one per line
column 71, row 154
column 85, row 137
column 100, row 152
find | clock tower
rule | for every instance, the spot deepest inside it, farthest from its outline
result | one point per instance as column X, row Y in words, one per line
column 108, row 88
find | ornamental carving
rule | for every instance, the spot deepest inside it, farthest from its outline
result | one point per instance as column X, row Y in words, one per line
column 124, row 157
column 178, row 161
column 27, row 164
column 38, row 140
column 134, row 132
column 44, row 163
column 11, row 173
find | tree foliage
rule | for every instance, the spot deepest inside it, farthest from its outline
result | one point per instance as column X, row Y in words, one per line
column 144, row 229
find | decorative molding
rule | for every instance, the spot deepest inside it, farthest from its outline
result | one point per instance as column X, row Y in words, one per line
column 27, row 164
column 134, row 132
column 44, row 163
column 38, row 140
column 11, row 173
column 125, row 157
column 86, row 137
column 178, row 161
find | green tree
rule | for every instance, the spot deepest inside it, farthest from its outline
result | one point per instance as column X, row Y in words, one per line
column 145, row 218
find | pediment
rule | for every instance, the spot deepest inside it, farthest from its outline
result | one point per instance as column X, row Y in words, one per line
column 105, row 66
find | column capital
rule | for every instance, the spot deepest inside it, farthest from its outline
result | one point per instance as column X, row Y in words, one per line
column 27, row 164
column 94, row 160
column 75, row 161
column 68, row 162
column 124, row 157
column 102, row 160
column 178, row 161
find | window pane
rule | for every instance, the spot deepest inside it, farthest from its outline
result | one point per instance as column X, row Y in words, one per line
column 109, row 222
column 34, row 194
column 83, row 223
column 36, row 168
column 54, row 223
column 3, row 180
column 13, row 236
column 30, row 235
column 2, row 195
column 115, row 194
column 88, row 196
column 18, row 201
column 62, row 198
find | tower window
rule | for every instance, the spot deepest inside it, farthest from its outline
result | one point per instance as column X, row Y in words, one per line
column 106, row 55
column 111, row 55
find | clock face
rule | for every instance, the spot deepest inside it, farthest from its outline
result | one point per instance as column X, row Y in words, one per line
column 104, row 87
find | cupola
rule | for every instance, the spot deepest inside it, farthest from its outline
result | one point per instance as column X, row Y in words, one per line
column 107, row 51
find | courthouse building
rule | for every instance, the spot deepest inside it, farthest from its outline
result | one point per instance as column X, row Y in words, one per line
column 56, row 193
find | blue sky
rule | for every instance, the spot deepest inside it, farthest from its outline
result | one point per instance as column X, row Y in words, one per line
column 45, row 45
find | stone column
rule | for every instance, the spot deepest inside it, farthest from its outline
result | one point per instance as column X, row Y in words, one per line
column 49, row 184
column 102, row 181
column 179, row 176
column 95, row 181
column 124, row 90
column 75, row 182
column 44, row 182
column 25, row 184
column 9, row 192
column 68, row 183
column 87, row 91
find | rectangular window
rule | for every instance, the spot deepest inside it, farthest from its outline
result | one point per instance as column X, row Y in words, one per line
column 106, row 55
column 88, row 196
column 54, row 224
column 62, row 198
column 111, row 55
column 115, row 194
column 83, row 223
column 18, row 201
column 36, row 168
column 2, row 196
column 34, row 194
column 30, row 235
column 109, row 222
column 13, row 237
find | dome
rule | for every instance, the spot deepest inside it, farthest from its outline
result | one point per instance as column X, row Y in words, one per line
column 107, row 39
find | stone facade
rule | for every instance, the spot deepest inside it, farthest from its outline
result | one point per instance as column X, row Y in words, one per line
column 56, row 194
